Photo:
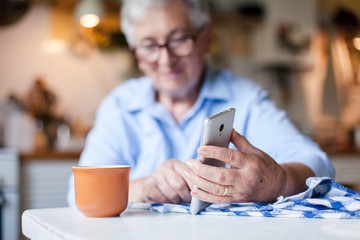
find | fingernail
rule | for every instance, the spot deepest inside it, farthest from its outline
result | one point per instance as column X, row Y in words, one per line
column 189, row 163
column 194, row 192
column 202, row 150
column 187, row 173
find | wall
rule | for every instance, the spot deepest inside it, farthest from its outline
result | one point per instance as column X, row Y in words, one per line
column 80, row 82
column 302, row 14
column 252, row 49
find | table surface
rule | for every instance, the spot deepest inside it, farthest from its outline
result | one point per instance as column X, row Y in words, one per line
column 68, row 223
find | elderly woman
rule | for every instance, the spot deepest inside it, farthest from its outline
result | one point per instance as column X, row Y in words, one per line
column 153, row 123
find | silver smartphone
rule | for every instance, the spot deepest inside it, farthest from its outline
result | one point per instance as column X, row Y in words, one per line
column 216, row 131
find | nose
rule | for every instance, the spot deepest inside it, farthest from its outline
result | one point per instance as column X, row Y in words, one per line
column 165, row 56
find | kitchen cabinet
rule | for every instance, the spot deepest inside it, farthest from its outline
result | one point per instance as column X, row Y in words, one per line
column 347, row 168
column 9, row 194
column 44, row 179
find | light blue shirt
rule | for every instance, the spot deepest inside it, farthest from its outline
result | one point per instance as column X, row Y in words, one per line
column 131, row 128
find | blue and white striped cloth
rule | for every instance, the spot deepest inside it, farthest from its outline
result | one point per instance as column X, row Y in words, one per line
column 324, row 198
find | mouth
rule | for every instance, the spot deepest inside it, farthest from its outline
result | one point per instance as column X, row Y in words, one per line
column 171, row 74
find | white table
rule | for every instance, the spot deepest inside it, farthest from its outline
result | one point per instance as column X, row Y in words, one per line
column 67, row 223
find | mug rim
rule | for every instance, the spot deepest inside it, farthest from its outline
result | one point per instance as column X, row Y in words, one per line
column 101, row 167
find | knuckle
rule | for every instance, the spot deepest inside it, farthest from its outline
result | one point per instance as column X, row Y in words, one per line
column 156, row 178
column 171, row 161
column 150, row 182
column 230, row 155
column 242, row 137
column 254, row 164
column 168, row 164
column 217, row 190
column 179, row 185
column 222, row 177
column 244, row 140
column 165, row 165
column 160, row 169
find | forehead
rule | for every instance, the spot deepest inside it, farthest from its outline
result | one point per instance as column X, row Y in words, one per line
column 157, row 23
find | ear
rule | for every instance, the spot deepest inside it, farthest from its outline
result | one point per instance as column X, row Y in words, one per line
column 138, row 63
column 207, row 31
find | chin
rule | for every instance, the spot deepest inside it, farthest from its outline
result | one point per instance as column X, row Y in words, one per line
column 172, row 84
column 177, row 92
column 172, row 92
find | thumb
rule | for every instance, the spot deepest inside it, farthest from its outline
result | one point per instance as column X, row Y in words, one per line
column 241, row 143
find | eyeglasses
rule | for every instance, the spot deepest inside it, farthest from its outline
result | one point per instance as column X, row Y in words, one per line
column 178, row 44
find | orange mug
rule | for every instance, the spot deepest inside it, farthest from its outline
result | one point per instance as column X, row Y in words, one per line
column 101, row 191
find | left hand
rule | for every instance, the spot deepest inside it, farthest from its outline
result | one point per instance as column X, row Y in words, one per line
column 167, row 184
column 253, row 177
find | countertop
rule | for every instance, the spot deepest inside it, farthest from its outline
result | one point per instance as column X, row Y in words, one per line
column 68, row 223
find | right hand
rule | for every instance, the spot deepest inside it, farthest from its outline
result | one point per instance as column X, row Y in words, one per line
column 167, row 184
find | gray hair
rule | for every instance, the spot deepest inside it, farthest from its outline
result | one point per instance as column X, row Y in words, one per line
column 133, row 9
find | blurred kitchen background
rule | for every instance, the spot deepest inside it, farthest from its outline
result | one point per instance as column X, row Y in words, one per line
column 59, row 58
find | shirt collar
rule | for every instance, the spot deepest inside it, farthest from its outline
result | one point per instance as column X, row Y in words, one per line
column 144, row 97
column 214, row 88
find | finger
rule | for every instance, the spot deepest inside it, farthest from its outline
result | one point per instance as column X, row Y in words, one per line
column 241, row 143
column 179, row 184
column 208, row 186
column 186, row 179
column 153, row 193
column 167, row 190
column 232, row 157
column 219, row 175
column 189, row 183
column 208, row 197
column 180, row 170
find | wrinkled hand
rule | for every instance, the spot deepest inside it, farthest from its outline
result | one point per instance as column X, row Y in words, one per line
column 167, row 184
column 253, row 177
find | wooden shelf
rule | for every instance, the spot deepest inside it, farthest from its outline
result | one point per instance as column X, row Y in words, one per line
column 49, row 155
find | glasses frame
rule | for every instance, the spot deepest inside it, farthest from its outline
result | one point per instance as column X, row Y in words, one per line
column 193, row 37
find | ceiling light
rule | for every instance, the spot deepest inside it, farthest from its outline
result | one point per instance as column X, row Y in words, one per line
column 89, row 12
column 89, row 20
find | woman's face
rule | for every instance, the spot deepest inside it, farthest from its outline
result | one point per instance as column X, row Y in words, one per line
column 171, row 75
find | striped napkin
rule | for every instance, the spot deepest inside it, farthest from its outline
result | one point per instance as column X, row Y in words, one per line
column 324, row 198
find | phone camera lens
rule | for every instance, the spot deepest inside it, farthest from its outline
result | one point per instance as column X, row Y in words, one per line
column 221, row 127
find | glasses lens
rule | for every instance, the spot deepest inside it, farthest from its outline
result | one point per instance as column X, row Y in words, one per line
column 182, row 47
column 147, row 53
column 179, row 47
